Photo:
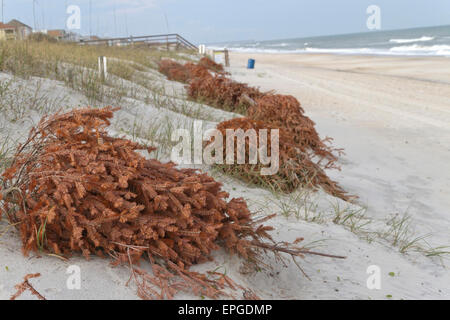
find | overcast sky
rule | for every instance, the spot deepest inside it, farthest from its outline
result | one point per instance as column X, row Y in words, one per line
column 204, row 21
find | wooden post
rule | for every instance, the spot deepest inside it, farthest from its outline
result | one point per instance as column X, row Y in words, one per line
column 102, row 68
column 227, row 58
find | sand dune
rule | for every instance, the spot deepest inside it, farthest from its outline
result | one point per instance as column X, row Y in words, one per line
column 392, row 117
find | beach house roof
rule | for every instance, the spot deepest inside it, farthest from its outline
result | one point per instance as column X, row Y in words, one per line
column 56, row 33
column 6, row 26
column 16, row 23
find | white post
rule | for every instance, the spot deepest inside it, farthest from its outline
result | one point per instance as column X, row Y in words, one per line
column 102, row 67
column 105, row 67
column 202, row 49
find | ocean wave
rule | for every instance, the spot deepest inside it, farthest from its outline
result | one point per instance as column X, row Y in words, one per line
column 283, row 44
column 422, row 39
column 411, row 50
column 438, row 50
column 341, row 50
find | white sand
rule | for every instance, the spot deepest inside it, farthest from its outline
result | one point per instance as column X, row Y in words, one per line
column 393, row 123
column 391, row 115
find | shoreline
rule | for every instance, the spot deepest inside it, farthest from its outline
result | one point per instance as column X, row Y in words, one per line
column 352, row 54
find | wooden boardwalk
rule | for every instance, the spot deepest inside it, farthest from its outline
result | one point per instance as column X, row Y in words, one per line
column 169, row 41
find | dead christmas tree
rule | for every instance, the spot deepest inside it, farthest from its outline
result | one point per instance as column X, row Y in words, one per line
column 174, row 70
column 211, row 65
column 223, row 93
column 286, row 113
column 296, row 167
column 189, row 71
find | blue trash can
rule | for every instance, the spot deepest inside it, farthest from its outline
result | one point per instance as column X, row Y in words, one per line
column 251, row 64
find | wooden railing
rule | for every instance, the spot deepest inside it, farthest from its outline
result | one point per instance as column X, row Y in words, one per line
column 168, row 41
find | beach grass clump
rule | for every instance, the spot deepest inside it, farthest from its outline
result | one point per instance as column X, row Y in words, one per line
column 72, row 188
column 123, row 70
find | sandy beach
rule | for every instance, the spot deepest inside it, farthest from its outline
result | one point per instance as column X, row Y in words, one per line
column 391, row 115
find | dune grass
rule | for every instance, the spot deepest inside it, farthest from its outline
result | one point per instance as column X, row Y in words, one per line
column 77, row 65
column 30, row 58
column 396, row 231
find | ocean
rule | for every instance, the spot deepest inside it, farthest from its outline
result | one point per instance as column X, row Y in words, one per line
column 428, row 41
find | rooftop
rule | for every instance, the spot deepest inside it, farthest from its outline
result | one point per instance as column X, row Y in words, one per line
column 5, row 26
column 56, row 33
column 17, row 23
